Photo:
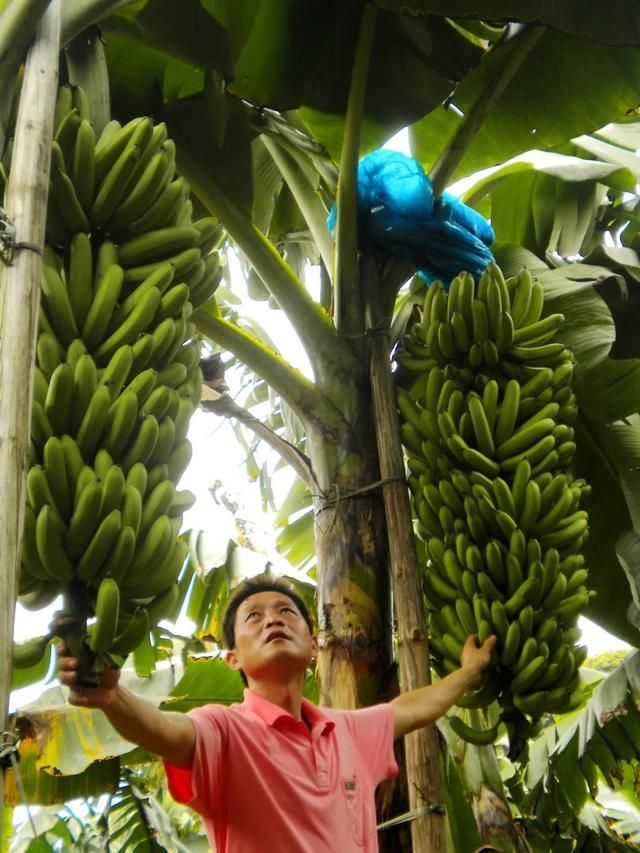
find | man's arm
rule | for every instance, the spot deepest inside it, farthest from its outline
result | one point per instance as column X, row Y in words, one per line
column 166, row 733
column 424, row 706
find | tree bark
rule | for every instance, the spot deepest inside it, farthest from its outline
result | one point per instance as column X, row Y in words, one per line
column 25, row 203
column 428, row 832
column 353, row 599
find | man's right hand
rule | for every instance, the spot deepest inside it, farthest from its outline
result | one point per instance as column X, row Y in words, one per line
column 86, row 697
column 169, row 734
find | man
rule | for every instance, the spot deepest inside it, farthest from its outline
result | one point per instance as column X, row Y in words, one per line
column 277, row 773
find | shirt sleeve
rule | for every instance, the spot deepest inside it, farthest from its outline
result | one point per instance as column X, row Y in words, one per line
column 372, row 731
column 198, row 786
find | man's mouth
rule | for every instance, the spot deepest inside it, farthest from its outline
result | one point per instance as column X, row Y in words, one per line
column 276, row 635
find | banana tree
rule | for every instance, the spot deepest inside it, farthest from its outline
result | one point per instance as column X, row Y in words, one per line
column 245, row 93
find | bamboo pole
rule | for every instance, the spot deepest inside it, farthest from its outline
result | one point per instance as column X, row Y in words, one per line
column 25, row 204
column 428, row 831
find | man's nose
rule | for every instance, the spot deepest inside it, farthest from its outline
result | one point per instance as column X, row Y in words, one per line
column 274, row 619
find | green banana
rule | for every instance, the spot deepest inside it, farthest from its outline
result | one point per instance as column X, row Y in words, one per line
column 154, row 245
column 85, row 381
column 143, row 444
column 92, row 424
column 102, row 306
column 82, row 167
column 107, row 610
column 50, row 536
column 58, row 306
column 127, row 332
column 31, row 652
column 118, row 562
column 84, row 520
column 55, row 466
column 477, row 737
column 134, row 632
column 98, row 549
column 57, row 404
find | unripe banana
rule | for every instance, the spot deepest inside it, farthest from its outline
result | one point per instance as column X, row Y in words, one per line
column 490, row 442
column 107, row 610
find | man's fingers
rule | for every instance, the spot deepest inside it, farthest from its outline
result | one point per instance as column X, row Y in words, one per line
column 88, row 697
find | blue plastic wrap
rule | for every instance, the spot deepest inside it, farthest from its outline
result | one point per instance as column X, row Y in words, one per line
column 399, row 216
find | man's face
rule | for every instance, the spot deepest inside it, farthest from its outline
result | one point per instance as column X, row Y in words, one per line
column 272, row 639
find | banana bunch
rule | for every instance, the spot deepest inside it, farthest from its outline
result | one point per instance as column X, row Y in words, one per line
column 486, row 408
column 117, row 375
column 123, row 186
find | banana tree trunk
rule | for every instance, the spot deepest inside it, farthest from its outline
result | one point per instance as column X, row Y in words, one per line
column 428, row 831
column 25, row 203
column 355, row 666
column 353, row 590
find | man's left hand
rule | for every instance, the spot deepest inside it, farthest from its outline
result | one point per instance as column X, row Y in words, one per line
column 475, row 658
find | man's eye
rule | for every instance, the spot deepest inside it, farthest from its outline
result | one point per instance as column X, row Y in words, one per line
column 287, row 610
column 252, row 614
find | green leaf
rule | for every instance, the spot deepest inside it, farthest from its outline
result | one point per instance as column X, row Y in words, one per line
column 588, row 329
column 513, row 258
column 296, row 542
column 625, row 135
column 598, row 81
column 48, row 788
column 628, row 551
column 268, row 183
column 621, row 444
column 610, row 390
column 71, row 739
column 462, row 826
column 608, row 520
column 570, row 778
column 205, row 680
column 129, row 60
column 210, row 168
column 614, row 24
column 411, row 71
column 554, row 165
column 618, row 258
column 609, row 153
column 277, row 49
column 187, row 32
column 297, row 498
column 144, row 658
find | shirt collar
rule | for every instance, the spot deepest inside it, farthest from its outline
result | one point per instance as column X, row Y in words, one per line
column 272, row 714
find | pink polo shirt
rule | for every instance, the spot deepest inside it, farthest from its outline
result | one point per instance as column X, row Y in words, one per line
column 263, row 782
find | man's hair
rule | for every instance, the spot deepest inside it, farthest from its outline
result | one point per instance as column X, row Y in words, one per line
column 251, row 586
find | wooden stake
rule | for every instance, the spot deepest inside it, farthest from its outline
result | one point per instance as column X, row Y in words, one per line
column 26, row 206
column 428, row 832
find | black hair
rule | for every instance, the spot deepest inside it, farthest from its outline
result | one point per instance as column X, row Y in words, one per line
column 251, row 586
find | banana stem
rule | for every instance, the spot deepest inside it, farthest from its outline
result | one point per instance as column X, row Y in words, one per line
column 306, row 196
column 71, row 626
column 80, row 14
column 325, row 349
column 348, row 300
column 297, row 391
column 450, row 159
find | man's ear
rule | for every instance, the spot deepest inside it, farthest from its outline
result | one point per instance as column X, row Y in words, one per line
column 232, row 660
column 314, row 647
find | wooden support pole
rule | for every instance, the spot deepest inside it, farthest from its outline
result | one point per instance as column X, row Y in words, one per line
column 428, row 831
column 26, row 206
